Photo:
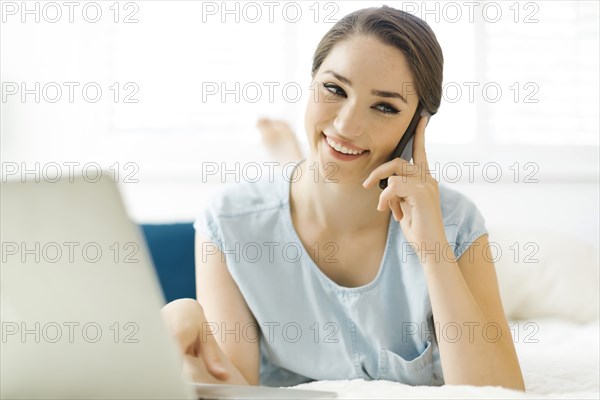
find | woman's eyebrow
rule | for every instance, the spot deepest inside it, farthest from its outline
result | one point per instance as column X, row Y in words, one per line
column 380, row 93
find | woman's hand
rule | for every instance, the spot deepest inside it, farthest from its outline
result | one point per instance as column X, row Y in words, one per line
column 202, row 357
column 412, row 194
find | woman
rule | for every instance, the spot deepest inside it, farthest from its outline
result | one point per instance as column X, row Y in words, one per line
column 325, row 276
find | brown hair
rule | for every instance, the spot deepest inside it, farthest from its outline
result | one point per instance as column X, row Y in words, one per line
column 399, row 29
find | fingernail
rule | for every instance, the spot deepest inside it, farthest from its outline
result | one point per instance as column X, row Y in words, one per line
column 219, row 368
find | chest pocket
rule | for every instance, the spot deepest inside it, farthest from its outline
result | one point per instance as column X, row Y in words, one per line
column 418, row 371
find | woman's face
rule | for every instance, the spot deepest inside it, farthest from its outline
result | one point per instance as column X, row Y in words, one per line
column 362, row 98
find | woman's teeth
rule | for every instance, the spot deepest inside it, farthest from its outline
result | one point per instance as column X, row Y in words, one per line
column 342, row 149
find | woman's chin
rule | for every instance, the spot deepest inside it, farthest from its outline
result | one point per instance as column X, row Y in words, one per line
column 324, row 169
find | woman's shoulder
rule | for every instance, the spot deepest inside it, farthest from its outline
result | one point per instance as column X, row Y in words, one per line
column 248, row 197
column 456, row 206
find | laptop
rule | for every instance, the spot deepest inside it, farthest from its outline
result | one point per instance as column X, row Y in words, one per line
column 80, row 302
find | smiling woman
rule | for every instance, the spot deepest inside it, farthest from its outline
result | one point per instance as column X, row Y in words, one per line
column 367, row 283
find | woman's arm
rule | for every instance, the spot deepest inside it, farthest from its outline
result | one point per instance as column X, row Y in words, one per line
column 229, row 319
column 465, row 293
column 218, row 339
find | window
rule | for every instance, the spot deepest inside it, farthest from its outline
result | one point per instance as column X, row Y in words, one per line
column 520, row 79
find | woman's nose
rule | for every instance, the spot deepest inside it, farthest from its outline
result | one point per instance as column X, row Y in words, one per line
column 349, row 122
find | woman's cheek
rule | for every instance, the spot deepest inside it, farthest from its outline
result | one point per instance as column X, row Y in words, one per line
column 321, row 111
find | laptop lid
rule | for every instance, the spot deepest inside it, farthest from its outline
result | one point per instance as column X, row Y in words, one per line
column 217, row 391
column 80, row 300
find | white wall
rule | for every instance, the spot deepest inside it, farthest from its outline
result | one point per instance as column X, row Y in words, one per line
column 170, row 185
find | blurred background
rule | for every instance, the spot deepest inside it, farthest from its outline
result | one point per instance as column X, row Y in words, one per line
column 166, row 96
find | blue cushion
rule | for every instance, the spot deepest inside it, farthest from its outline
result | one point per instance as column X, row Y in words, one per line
column 172, row 250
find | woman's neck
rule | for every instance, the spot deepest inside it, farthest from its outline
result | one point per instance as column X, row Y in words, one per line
column 338, row 208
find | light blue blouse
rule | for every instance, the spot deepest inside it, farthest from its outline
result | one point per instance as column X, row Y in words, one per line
column 310, row 327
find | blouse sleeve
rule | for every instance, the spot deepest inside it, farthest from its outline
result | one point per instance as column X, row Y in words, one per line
column 471, row 228
column 206, row 224
column 463, row 221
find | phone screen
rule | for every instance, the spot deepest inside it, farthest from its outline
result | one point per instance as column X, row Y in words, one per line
column 404, row 148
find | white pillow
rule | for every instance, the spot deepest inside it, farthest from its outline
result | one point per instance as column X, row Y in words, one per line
column 553, row 275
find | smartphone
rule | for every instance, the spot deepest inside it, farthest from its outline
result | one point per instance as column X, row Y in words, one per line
column 404, row 148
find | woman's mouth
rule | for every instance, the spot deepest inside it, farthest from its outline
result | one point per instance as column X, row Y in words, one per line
column 342, row 152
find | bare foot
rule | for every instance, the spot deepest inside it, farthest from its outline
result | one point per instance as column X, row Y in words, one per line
column 280, row 140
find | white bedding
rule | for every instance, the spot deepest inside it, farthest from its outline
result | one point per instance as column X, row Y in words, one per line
column 559, row 359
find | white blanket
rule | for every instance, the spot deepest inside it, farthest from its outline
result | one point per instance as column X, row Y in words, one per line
column 559, row 359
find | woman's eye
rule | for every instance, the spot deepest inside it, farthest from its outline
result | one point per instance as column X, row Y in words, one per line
column 335, row 89
column 387, row 108
column 338, row 91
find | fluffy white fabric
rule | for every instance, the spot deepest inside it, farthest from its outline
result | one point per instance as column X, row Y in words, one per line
column 559, row 360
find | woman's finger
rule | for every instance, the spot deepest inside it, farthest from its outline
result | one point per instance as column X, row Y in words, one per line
column 195, row 370
column 396, row 210
column 397, row 166
column 211, row 354
column 179, row 317
column 398, row 187
column 419, row 154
